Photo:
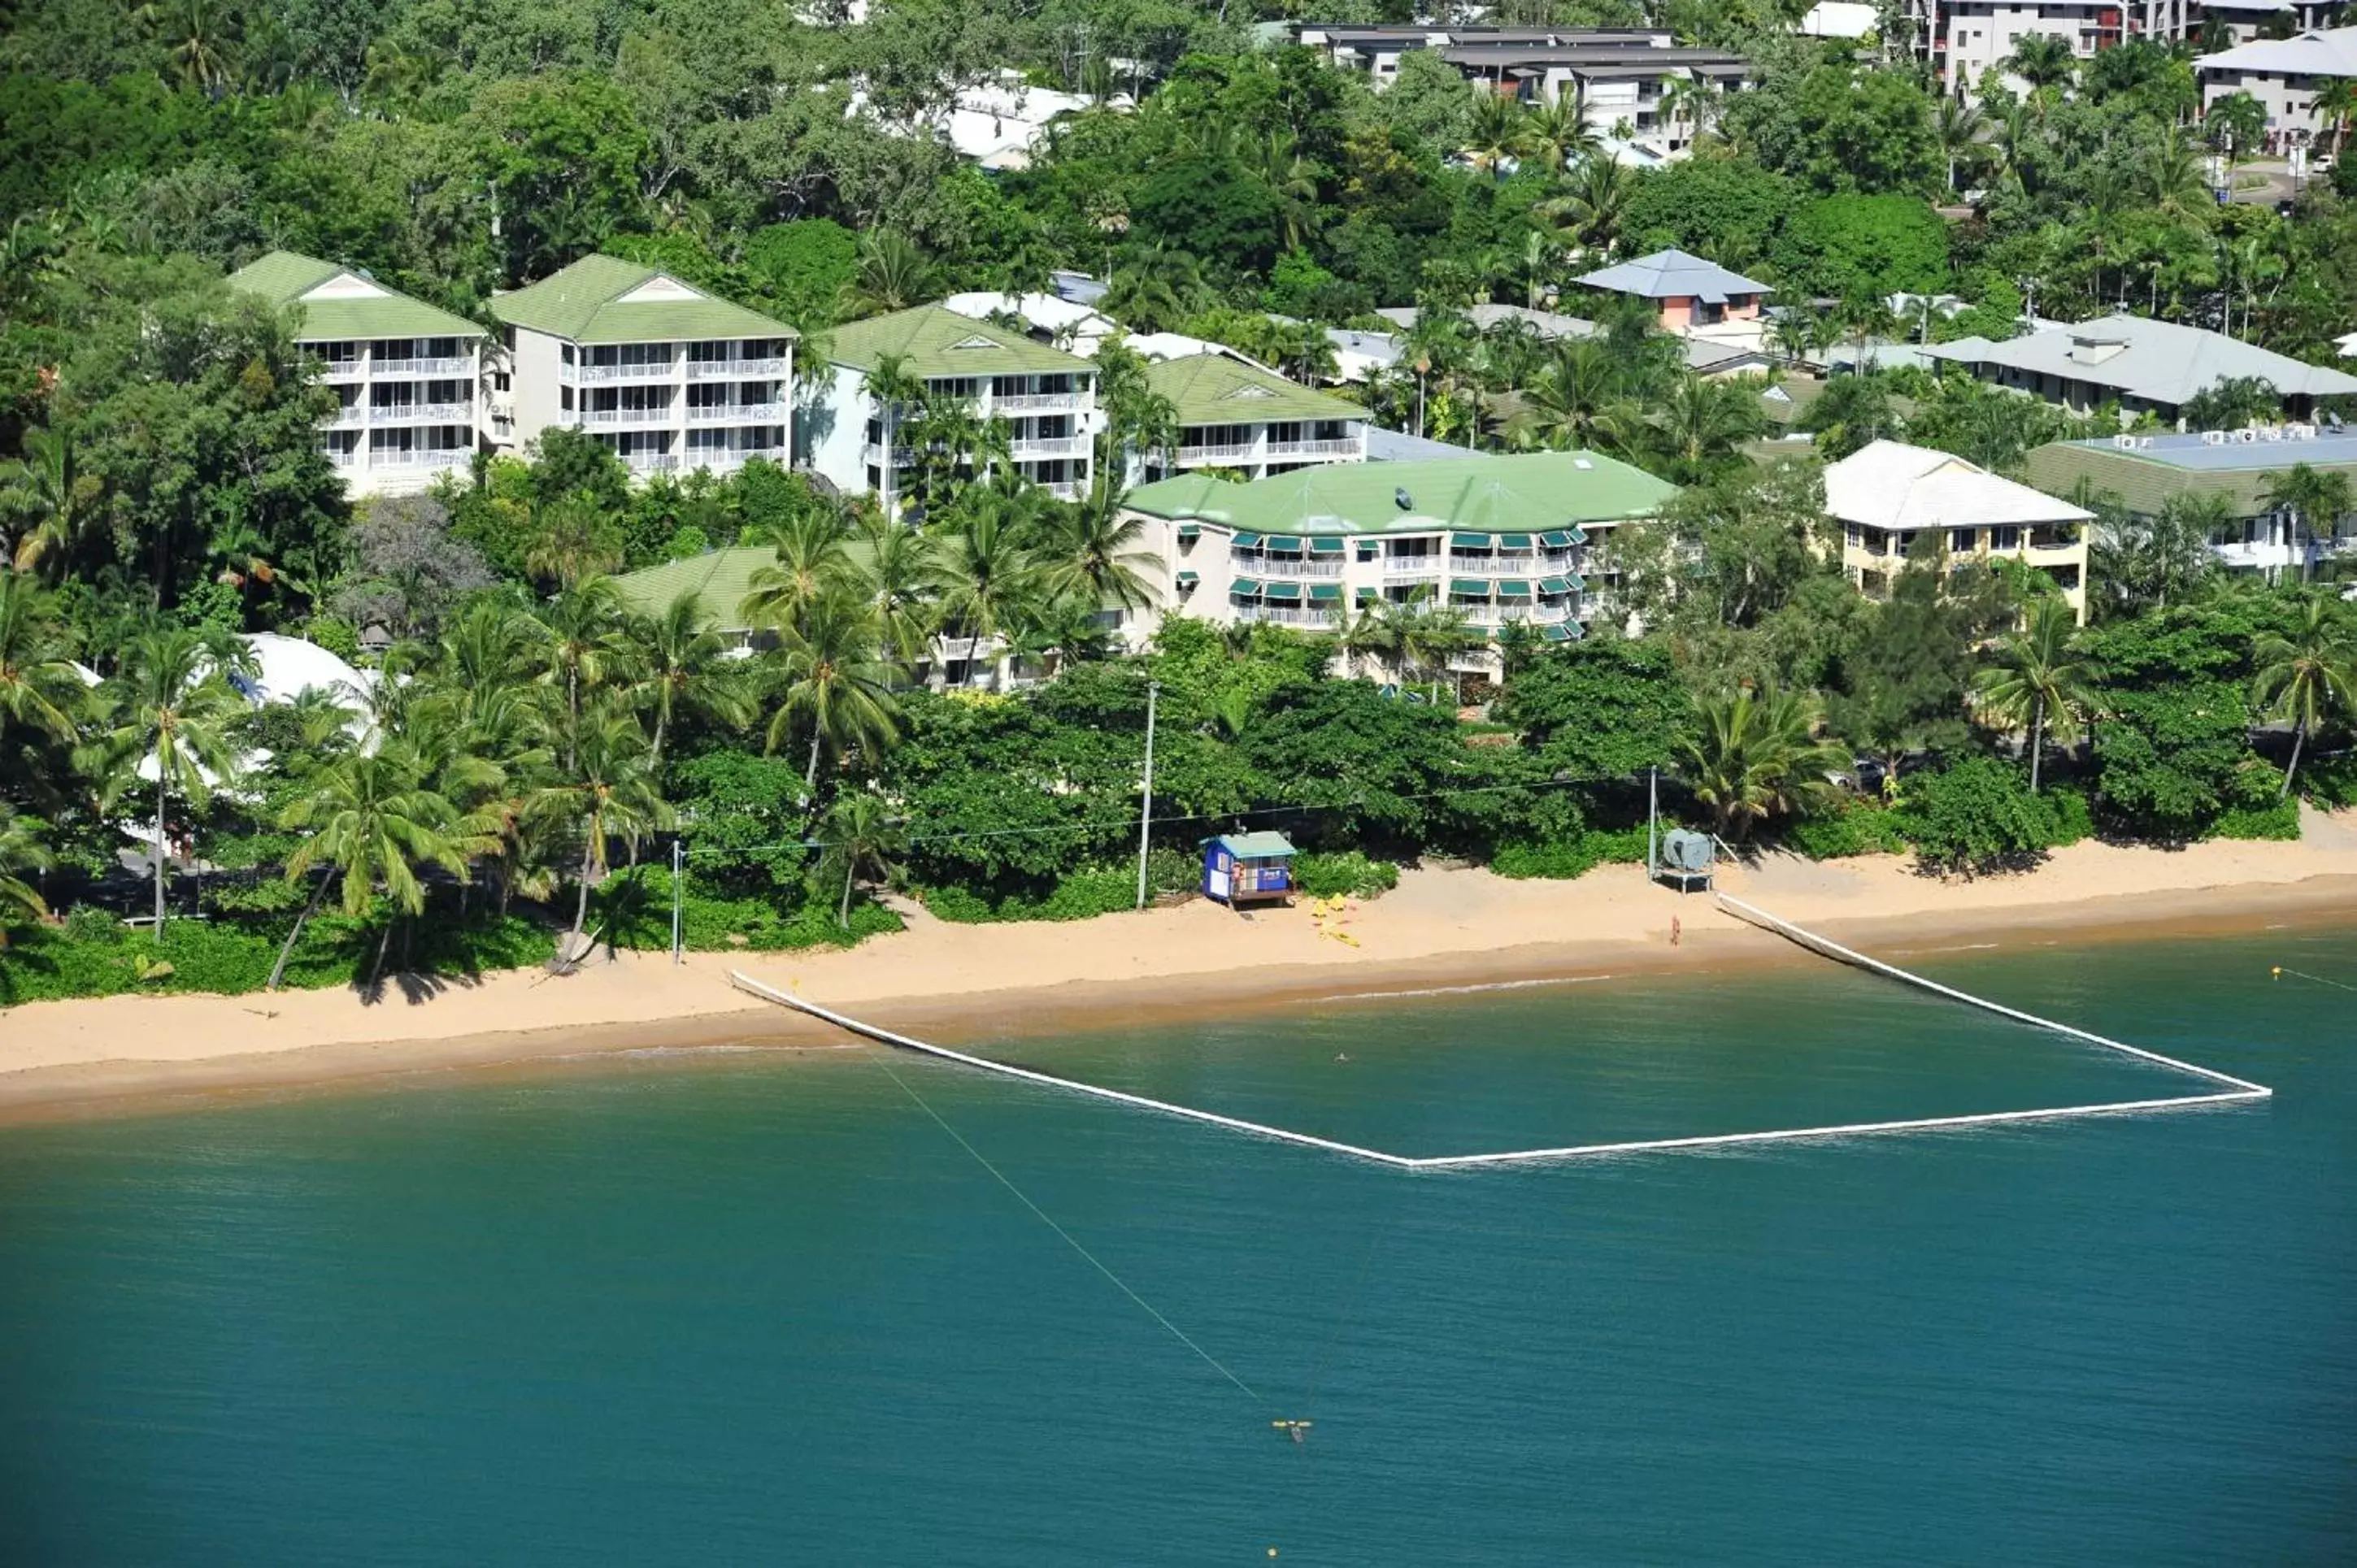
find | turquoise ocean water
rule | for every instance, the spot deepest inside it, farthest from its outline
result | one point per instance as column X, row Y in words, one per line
column 752, row 1310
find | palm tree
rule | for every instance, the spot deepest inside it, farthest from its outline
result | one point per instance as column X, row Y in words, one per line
column 2306, row 676
column 373, row 820
column 2337, row 101
column 814, row 559
column 572, row 540
column 2172, row 176
column 1755, row 756
column 679, row 669
column 1090, row 551
column 169, row 704
column 608, row 789
column 892, row 577
column 1958, row 126
column 983, row 571
column 1561, row 134
column 46, row 491
column 1700, row 425
column 20, row 851
column 834, row 680
column 1589, row 212
column 39, row 689
column 201, row 45
column 2318, row 497
column 584, row 641
column 1497, row 131
column 2038, row 678
column 1577, row 400
column 1691, row 99
column 2044, row 61
column 895, row 390
column 1429, row 637
column 893, row 274
column 859, row 831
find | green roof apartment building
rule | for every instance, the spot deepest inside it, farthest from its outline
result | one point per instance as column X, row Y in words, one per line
column 1501, row 540
column 2238, row 466
column 407, row 377
column 1234, row 415
column 667, row 376
column 1047, row 397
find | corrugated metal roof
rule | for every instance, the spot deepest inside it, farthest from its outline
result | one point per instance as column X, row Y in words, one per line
column 2145, row 484
column 587, row 302
column 1521, row 492
column 1256, row 847
column 937, row 341
column 719, row 578
column 1214, row 389
column 1673, row 274
column 285, row 277
column 2159, row 362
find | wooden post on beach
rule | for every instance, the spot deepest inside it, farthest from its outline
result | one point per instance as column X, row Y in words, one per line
column 1652, row 810
column 1146, row 793
column 678, row 872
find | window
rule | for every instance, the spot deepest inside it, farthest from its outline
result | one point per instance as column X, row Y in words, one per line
column 2007, row 537
column 1855, row 535
column 565, row 399
column 1961, row 541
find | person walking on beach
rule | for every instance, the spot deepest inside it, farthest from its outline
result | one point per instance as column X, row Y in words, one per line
column 1673, row 930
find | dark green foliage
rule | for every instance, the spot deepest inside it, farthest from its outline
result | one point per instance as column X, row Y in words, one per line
column 1212, row 209
column 1863, row 247
column 1569, row 857
column 1977, row 815
column 2172, row 751
column 1601, row 710
column 1728, row 209
column 1325, row 876
column 634, row 909
column 1854, row 827
column 742, row 815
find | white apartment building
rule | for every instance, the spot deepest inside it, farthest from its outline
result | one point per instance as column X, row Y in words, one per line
column 1235, row 414
column 669, row 377
column 407, row 377
column 1966, row 38
column 2284, row 75
column 1045, row 397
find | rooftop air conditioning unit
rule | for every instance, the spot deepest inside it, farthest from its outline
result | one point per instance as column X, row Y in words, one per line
column 2272, row 433
column 2145, row 442
column 2303, row 432
column 2214, row 438
column 2247, row 437
column 2124, row 442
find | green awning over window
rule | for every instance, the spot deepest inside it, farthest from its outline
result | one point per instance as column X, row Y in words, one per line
column 1554, row 585
column 1578, row 584
column 1470, row 587
column 1514, row 541
column 1325, row 592
column 1188, row 579
column 1281, row 592
column 1246, row 540
column 1244, row 588
column 1189, row 529
column 1556, row 633
column 1580, row 536
column 1469, row 541
column 1281, row 545
column 1513, row 590
column 1556, row 539
column 1370, row 595
column 1325, row 544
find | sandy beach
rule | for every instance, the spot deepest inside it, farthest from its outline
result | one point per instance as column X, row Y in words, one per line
column 1439, row 927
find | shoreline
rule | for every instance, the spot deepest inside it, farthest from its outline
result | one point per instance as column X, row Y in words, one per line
column 1441, row 932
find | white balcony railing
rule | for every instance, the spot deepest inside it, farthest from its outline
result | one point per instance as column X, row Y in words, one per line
column 1065, row 492
column 1279, row 615
column 1243, row 451
column 1412, row 566
column 351, row 414
column 608, row 417
column 436, row 365
column 1051, row 447
column 733, row 369
column 737, row 413
column 1314, row 449
column 1292, row 567
column 658, row 371
column 421, row 414
column 721, row 458
column 650, row 462
column 342, row 369
column 419, row 457
column 1035, row 402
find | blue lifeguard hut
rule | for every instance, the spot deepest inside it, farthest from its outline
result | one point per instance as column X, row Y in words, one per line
column 1247, row 868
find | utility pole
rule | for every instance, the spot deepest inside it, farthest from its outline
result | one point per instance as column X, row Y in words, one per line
column 678, row 876
column 1652, row 810
column 1146, row 793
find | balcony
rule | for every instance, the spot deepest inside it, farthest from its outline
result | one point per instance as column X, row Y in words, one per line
column 1038, row 402
column 1277, row 615
column 1284, row 449
column 1412, row 566
column 447, row 365
column 1051, row 447
column 342, row 369
column 1243, row 451
column 420, row 458
column 606, row 418
column 650, row 462
column 722, row 459
column 737, row 413
column 1290, row 566
column 347, row 417
column 659, row 370
column 733, row 370
column 421, row 414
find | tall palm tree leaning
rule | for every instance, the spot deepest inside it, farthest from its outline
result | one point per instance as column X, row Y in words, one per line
column 1957, row 127
column 1091, row 551
column 169, row 705
column 834, row 680
column 983, row 572
column 607, row 789
column 896, row 390
column 374, row 821
column 2037, row 679
column 679, row 669
column 859, row 831
column 1755, row 756
column 2305, row 676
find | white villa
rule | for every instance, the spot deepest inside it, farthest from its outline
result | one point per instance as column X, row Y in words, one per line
column 407, row 377
column 667, row 376
column 1888, row 494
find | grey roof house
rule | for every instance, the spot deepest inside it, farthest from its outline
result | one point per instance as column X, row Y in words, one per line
column 1690, row 291
column 2143, row 365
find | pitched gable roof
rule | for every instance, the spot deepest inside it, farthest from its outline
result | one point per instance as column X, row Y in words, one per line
column 342, row 302
column 603, row 299
column 1490, row 493
column 2159, row 362
column 1220, row 389
column 1890, row 485
column 938, row 342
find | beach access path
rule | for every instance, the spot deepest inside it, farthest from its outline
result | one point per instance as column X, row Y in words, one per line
column 1440, row 928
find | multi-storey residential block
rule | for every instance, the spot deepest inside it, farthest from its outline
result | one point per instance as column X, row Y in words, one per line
column 1887, row 495
column 2238, row 470
column 1234, row 415
column 1965, row 39
column 407, row 377
column 2287, row 75
column 1499, row 539
column 1045, row 397
column 667, row 376
column 2143, row 366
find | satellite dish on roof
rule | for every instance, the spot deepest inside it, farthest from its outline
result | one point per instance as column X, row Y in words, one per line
column 1407, row 502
